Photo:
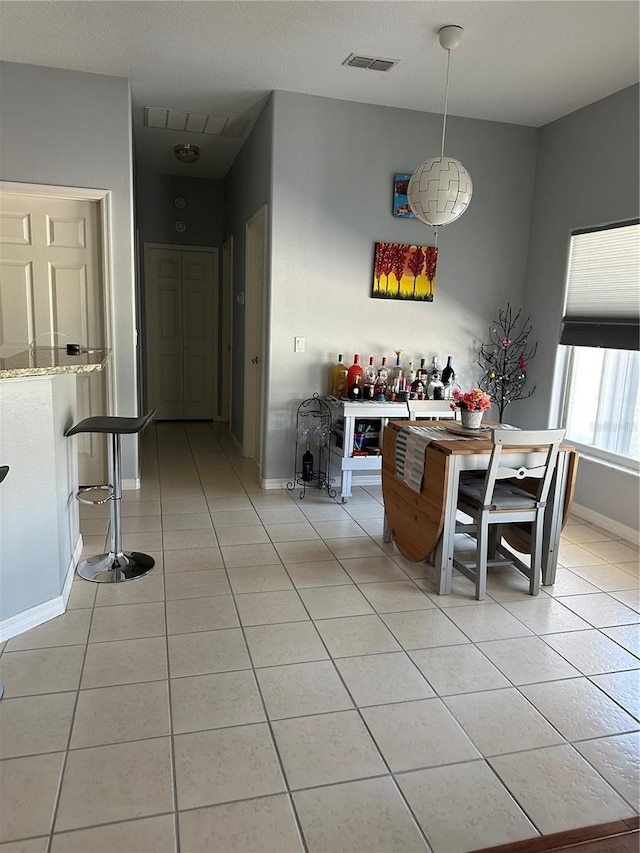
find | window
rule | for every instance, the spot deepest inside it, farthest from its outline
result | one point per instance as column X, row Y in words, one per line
column 600, row 325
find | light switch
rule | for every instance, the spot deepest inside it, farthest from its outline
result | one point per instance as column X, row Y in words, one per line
column 298, row 344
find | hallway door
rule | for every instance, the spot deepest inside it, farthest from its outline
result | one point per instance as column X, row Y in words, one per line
column 51, row 293
column 253, row 335
column 181, row 304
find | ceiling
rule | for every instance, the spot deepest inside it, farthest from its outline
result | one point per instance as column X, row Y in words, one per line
column 520, row 61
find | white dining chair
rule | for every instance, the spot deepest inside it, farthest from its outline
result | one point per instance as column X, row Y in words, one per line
column 435, row 410
column 509, row 492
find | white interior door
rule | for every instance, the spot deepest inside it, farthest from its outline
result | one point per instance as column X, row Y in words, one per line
column 181, row 298
column 253, row 340
column 51, row 293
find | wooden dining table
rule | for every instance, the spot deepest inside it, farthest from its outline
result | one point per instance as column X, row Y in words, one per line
column 422, row 524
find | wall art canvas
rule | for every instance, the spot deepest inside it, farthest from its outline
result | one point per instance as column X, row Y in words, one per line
column 400, row 201
column 402, row 271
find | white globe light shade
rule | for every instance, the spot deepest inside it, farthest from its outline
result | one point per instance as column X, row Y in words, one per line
column 439, row 191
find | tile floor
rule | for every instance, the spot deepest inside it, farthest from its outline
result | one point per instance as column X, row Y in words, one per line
column 285, row 681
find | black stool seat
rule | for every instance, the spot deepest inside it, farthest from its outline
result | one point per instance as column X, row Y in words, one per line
column 116, row 565
column 113, row 425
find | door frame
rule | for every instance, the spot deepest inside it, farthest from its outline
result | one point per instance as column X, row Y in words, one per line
column 226, row 330
column 103, row 199
column 254, row 326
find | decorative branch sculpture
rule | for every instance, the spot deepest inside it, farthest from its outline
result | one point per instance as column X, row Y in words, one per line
column 504, row 359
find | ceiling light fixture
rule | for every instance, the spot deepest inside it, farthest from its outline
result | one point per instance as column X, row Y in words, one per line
column 186, row 153
column 440, row 189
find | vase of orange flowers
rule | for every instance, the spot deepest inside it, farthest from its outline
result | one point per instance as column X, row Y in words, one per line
column 472, row 405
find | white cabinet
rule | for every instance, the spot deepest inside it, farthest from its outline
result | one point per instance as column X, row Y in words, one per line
column 356, row 438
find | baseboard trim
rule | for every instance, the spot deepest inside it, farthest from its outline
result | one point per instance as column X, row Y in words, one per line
column 609, row 524
column 274, row 484
column 41, row 613
column 131, row 484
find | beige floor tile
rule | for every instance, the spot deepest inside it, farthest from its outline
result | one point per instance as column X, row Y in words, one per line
column 422, row 629
column 333, row 601
column 266, row 824
column 125, row 662
column 324, row 512
column 261, row 554
column 591, row 652
column 322, row 573
column 207, row 651
column 94, row 526
column 613, row 552
column 104, row 784
column 601, row 610
column 176, row 540
column 301, row 689
column 491, row 622
column 290, row 642
column 361, row 546
column 29, row 789
column 196, row 584
column 286, row 514
column 374, row 527
column 338, row 529
column 188, row 615
column 568, row 582
column 535, row 778
column 395, row 595
column 226, row 764
column 70, row 629
column 630, row 597
column 327, row 748
column 145, row 589
column 83, row 594
column 128, row 622
column 41, row 670
column 371, row 569
column 259, row 579
column 490, row 815
column 381, row 679
column 499, row 721
column 308, row 551
column 193, row 559
column 582, row 534
column 186, row 521
column 226, row 504
column 627, row 636
column 356, row 635
column 29, row 845
column 155, row 834
column 291, row 532
column 92, row 545
column 570, row 556
column 618, row 760
column 122, row 713
column 623, row 687
column 34, row 724
column 546, row 615
column 253, row 534
column 140, row 508
column 215, row 701
column 608, row 578
column 143, row 542
column 526, row 660
column 234, row 518
column 458, row 669
column 418, row 734
column 267, row 608
column 186, row 506
column 141, row 524
column 579, row 709
column 364, row 815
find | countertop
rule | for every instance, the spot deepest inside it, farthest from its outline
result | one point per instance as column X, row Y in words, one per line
column 50, row 361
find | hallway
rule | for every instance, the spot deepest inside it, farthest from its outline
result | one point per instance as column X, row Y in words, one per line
column 285, row 681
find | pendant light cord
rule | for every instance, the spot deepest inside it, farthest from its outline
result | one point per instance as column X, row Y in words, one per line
column 446, row 101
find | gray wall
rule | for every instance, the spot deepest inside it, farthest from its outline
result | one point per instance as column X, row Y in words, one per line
column 334, row 163
column 588, row 174
column 247, row 188
column 67, row 128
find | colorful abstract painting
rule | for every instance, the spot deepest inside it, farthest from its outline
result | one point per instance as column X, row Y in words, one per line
column 400, row 201
column 402, row 271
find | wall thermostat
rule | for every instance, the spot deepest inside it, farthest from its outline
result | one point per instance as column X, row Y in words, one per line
column 181, row 226
column 179, row 202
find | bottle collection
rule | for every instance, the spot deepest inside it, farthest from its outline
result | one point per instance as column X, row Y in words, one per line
column 384, row 383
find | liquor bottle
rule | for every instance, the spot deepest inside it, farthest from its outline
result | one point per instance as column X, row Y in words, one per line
column 422, row 372
column 410, row 375
column 398, row 372
column 355, row 390
column 370, row 376
column 433, row 368
column 448, row 376
column 339, row 378
column 355, row 370
column 307, row 465
column 435, row 388
column 380, row 390
column 383, row 370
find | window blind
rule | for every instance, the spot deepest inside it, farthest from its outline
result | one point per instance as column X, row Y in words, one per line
column 602, row 305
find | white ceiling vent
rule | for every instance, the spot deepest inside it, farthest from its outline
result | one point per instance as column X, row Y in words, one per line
column 373, row 63
column 195, row 122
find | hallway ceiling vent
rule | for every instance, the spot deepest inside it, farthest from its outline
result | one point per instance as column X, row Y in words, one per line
column 214, row 125
column 370, row 62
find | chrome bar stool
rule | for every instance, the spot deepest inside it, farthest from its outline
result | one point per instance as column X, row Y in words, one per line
column 117, row 565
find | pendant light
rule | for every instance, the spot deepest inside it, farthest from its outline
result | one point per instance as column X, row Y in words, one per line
column 440, row 189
